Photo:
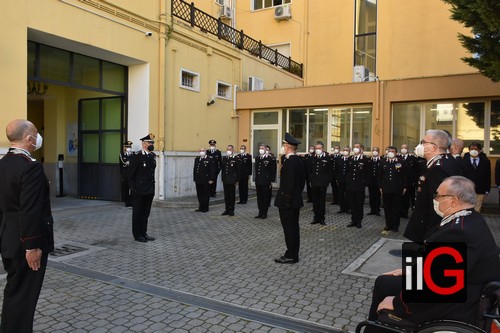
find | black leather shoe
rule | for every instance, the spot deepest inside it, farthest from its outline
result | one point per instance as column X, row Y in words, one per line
column 240, row 202
column 358, row 226
column 285, row 260
column 149, row 238
column 225, row 213
column 341, row 212
column 258, row 216
column 322, row 223
column 197, row 210
column 231, row 213
column 371, row 213
column 314, row 222
column 350, row 225
column 395, row 229
column 141, row 239
column 264, row 216
column 204, row 210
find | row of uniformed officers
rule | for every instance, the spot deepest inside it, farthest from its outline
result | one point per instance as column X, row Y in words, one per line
column 391, row 178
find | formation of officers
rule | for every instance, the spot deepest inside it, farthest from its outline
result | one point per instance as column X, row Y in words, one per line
column 390, row 179
column 235, row 169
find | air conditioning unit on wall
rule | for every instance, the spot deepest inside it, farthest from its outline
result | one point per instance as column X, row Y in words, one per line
column 360, row 73
column 226, row 12
column 254, row 83
column 283, row 12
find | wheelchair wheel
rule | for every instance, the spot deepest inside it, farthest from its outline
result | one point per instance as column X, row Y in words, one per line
column 447, row 326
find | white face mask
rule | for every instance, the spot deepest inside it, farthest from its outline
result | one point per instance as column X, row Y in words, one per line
column 335, row 151
column 202, row 153
column 128, row 150
column 404, row 151
column 356, row 150
column 390, row 155
column 282, row 150
column 318, row 151
column 419, row 150
column 262, row 151
column 242, row 151
column 212, row 148
column 229, row 153
column 311, row 151
column 374, row 153
column 474, row 153
column 39, row 141
column 345, row 152
column 436, row 208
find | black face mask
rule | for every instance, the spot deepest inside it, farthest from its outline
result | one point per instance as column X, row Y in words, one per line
column 151, row 147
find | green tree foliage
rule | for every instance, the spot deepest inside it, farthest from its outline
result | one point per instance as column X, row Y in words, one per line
column 483, row 18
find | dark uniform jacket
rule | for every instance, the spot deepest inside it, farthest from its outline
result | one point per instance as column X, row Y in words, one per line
column 231, row 169
column 480, row 176
column 265, row 170
column 217, row 156
column 292, row 181
column 245, row 165
column 357, row 173
column 412, row 168
column 334, row 158
column 373, row 173
column 142, row 173
column 25, row 215
column 483, row 266
column 124, row 165
column 393, row 176
column 341, row 168
column 204, row 170
column 306, row 158
column 320, row 170
column 423, row 216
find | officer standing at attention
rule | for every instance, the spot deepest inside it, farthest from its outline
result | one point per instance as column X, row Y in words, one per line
column 335, row 189
column 393, row 184
column 341, row 174
column 204, row 175
column 412, row 170
column 142, row 185
column 320, row 174
column 307, row 164
column 245, row 173
column 265, row 174
column 230, row 176
column 355, row 184
column 217, row 156
column 373, row 182
column 289, row 199
column 125, row 156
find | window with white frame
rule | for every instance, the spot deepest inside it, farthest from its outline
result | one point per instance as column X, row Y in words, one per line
column 261, row 4
column 189, row 80
column 223, row 90
column 220, row 2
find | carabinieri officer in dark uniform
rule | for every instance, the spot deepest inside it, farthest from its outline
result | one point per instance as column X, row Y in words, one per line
column 204, row 174
column 320, row 175
column 230, row 177
column 125, row 157
column 357, row 173
column 245, row 173
column 142, row 185
column 265, row 174
column 217, row 156
column 289, row 199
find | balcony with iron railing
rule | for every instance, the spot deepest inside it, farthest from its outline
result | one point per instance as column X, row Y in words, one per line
column 209, row 24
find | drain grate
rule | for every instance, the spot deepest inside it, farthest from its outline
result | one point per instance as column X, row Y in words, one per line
column 66, row 250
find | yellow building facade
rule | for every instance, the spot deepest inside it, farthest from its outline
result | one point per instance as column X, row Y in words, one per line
column 237, row 71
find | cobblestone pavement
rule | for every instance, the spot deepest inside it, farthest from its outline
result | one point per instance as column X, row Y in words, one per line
column 206, row 260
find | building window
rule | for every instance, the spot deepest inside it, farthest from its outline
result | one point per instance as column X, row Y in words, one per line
column 332, row 126
column 464, row 120
column 220, row 2
column 190, row 80
column 223, row 90
column 365, row 35
column 261, row 4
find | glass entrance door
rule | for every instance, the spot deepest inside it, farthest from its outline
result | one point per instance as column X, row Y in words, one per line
column 101, row 131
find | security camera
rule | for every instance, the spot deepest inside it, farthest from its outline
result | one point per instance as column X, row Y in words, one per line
column 148, row 33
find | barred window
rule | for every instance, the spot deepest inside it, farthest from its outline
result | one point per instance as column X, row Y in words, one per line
column 189, row 80
column 223, row 90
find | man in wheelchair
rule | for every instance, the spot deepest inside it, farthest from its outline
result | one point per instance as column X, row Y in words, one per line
column 454, row 201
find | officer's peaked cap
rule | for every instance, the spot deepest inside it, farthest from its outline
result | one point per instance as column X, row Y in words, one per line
column 212, row 142
column 127, row 143
column 150, row 137
column 289, row 139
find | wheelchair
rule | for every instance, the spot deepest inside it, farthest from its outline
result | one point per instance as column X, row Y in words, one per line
column 488, row 310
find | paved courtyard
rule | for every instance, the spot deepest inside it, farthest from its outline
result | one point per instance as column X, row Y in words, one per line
column 208, row 273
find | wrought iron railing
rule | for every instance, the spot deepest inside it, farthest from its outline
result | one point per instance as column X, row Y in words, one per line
column 209, row 24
